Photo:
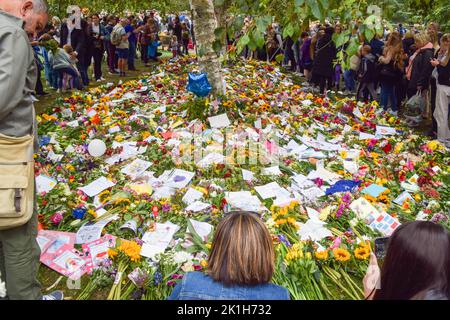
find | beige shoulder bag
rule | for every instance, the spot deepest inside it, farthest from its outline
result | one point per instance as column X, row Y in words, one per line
column 16, row 181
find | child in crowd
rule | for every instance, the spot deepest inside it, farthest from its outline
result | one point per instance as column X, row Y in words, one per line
column 366, row 73
column 152, row 48
column 174, row 46
column 63, row 62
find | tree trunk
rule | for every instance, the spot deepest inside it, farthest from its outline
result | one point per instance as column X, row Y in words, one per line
column 205, row 23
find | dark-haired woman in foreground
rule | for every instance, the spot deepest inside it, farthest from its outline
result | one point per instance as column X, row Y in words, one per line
column 240, row 265
column 416, row 267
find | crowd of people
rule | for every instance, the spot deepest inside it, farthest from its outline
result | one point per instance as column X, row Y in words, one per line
column 394, row 68
column 66, row 48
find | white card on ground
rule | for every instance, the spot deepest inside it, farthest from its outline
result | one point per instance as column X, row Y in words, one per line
column 385, row 131
column 157, row 241
column 247, row 175
column 180, row 178
column 198, row 206
column 136, row 168
column 203, row 229
column 130, row 224
column 210, row 159
column 191, row 196
column 45, row 183
column 97, row 186
column 93, row 231
column 402, row 198
column 365, row 136
column 274, row 171
column 220, row 121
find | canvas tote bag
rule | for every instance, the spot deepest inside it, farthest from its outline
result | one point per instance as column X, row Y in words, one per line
column 16, row 180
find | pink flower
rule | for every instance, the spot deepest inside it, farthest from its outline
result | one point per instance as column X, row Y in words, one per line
column 56, row 218
column 318, row 182
column 410, row 165
column 336, row 243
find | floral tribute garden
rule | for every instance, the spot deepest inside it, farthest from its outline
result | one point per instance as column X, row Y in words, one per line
column 123, row 210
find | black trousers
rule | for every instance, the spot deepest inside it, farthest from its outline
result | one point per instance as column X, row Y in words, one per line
column 433, row 103
column 144, row 53
column 98, row 58
column 324, row 83
column 186, row 46
column 39, row 87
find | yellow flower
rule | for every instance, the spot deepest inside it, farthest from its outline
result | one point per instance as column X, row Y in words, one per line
column 435, row 145
column 132, row 249
column 119, row 138
column 294, row 255
column 293, row 204
column 362, row 253
column 204, row 263
column 321, row 255
column 92, row 213
column 208, row 245
column 112, row 253
column 343, row 154
column 341, row 254
column 417, row 197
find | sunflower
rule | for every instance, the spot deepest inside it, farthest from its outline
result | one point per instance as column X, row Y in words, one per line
column 321, row 255
column 362, row 253
column 341, row 254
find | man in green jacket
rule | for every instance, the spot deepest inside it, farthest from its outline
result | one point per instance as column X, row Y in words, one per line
column 19, row 251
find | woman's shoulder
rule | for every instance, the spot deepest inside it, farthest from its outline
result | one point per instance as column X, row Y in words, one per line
column 197, row 276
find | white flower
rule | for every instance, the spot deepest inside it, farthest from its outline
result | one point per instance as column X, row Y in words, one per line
column 188, row 267
column 182, row 256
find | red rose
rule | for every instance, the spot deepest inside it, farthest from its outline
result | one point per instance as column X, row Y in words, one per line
column 387, row 148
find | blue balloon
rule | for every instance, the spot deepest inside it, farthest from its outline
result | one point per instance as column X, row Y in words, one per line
column 199, row 84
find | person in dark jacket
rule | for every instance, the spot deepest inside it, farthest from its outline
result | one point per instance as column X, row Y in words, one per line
column 110, row 48
column 376, row 46
column 442, row 98
column 78, row 39
column 419, row 69
column 407, row 42
column 96, row 36
column 178, row 31
column 323, row 68
column 306, row 61
column 366, row 73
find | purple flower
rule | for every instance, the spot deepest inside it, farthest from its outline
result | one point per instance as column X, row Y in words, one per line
column 283, row 239
column 439, row 217
column 166, row 207
column 340, row 211
column 157, row 278
column 171, row 283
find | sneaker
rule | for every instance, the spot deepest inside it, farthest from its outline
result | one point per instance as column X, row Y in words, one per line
column 99, row 80
column 117, row 70
column 103, row 79
column 55, row 295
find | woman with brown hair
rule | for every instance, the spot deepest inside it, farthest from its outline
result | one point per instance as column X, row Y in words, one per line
column 240, row 265
column 416, row 267
column 391, row 70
